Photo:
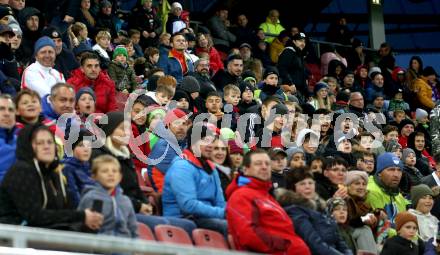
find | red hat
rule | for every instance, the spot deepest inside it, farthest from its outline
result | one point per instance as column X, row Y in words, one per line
column 174, row 115
column 234, row 148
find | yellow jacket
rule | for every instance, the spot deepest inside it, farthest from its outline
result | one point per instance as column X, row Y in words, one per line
column 271, row 30
column 276, row 47
column 424, row 93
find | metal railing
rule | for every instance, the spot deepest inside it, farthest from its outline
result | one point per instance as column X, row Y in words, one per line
column 38, row 238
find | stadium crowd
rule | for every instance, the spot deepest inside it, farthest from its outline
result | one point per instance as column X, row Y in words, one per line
column 113, row 115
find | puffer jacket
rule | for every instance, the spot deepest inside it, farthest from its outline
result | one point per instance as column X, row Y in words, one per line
column 123, row 76
column 78, row 176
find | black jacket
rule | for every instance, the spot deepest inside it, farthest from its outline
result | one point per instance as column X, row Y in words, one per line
column 222, row 78
column 129, row 182
column 66, row 62
column 22, row 195
column 292, row 69
column 398, row 245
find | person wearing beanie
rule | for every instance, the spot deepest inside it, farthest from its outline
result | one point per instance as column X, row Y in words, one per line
column 295, row 157
column 406, row 127
column 77, row 167
column 411, row 175
column 182, row 99
column 85, row 102
column 40, row 75
column 121, row 73
column 422, row 203
column 247, row 97
column 278, row 166
column 407, row 241
column 320, row 99
column 269, row 86
column 187, row 177
column 236, row 154
column 383, row 187
column 192, row 88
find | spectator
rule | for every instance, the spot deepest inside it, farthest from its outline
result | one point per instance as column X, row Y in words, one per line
column 91, row 75
column 272, row 27
column 41, row 76
column 422, row 87
column 219, row 26
column 272, row 231
column 8, row 134
column 422, row 201
column 279, row 167
column 433, row 182
column 145, row 19
column 410, row 172
column 177, row 62
column 220, row 157
column 37, row 172
column 383, row 187
column 77, row 168
column 278, row 44
column 331, row 182
column 106, row 20
column 65, row 61
column 339, row 32
column 415, row 69
column 121, row 73
column 85, row 16
column 175, row 22
column 328, row 54
column 291, row 64
column 80, row 34
column 337, row 209
column 407, row 241
column 307, row 211
column 205, row 44
column 119, row 216
column 320, row 99
column 103, row 46
column 243, row 31
column 424, row 162
column 135, row 37
column 196, row 191
column 232, row 74
column 201, row 72
column 9, row 77
column 32, row 23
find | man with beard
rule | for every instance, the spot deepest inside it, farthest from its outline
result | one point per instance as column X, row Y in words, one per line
column 232, row 75
column 31, row 22
column 41, row 76
column 291, row 64
column 201, row 74
column 65, row 61
column 383, row 187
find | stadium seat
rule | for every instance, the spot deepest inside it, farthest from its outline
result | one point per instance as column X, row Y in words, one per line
column 145, row 232
column 172, row 234
column 361, row 252
column 209, row 238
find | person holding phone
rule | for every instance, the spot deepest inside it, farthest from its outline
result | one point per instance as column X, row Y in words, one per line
column 107, row 198
column 33, row 192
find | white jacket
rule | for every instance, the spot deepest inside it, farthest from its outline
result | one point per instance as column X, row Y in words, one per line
column 40, row 78
column 428, row 225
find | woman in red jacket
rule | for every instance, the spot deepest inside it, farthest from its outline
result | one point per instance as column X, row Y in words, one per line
column 204, row 44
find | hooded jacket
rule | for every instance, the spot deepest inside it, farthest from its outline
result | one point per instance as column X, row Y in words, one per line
column 190, row 190
column 316, row 228
column 35, row 195
column 123, row 76
column 78, row 176
column 103, row 87
column 257, row 222
column 292, row 69
column 119, row 216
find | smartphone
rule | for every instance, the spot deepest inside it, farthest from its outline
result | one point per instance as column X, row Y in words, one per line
column 97, row 206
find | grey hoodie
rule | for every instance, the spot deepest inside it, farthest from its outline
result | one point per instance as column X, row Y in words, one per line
column 118, row 212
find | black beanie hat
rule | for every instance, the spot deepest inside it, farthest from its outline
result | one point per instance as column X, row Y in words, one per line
column 114, row 119
column 152, row 83
column 244, row 85
column 190, row 84
column 405, row 122
column 179, row 94
column 83, row 133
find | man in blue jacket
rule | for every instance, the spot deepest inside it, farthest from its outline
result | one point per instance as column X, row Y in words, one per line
column 8, row 134
column 192, row 186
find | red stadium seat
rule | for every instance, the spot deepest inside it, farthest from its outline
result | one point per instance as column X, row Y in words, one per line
column 145, row 232
column 172, row 234
column 209, row 238
column 231, row 242
column 361, row 252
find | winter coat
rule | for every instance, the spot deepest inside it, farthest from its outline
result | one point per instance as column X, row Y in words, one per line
column 119, row 216
column 271, row 30
column 123, row 76
column 172, row 66
column 426, row 223
column 109, row 22
column 103, row 87
column 257, row 222
column 129, row 182
column 398, row 245
column 324, row 187
column 276, row 47
column 35, row 195
column 78, row 176
column 146, row 20
column 66, row 62
column 190, row 190
column 413, row 177
column 379, row 197
column 292, row 68
column 8, row 144
column 215, row 61
column 223, row 78
column 424, row 94
column 318, row 230
column 174, row 24
column 220, row 33
column 356, row 208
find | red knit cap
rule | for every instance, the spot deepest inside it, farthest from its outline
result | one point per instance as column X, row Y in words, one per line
column 404, row 217
column 173, row 115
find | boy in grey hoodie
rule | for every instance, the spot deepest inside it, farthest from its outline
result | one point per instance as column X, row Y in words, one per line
column 119, row 215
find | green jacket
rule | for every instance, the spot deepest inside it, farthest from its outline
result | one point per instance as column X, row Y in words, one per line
column 378, row 198
column 123, row 76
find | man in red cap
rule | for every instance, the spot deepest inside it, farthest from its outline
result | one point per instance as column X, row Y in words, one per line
column 172, row 142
